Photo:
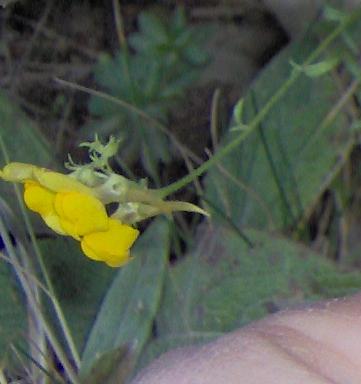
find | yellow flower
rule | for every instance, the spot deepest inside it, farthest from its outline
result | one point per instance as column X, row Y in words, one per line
column 111, row 246
column 80, row 214
column 70, row 208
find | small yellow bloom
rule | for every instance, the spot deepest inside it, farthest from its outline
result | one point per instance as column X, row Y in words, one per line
column 80, row 214
column 111, row 246
column 70, row 208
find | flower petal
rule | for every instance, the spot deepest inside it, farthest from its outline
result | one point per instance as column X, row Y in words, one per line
column 55, row 181
column 58, row 182
column 80, row 214
column 111, row 246
column 41, row 200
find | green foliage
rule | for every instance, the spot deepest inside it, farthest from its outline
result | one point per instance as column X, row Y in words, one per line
column 79, row 283
column 12, row 315
column 272, row 180
column 165, row 60
column 276, row 175
column 223, row 284
column 317, row 69
column 18, row 133
column 126, row 316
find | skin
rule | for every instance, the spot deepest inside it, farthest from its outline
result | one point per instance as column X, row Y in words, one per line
column 315, row 345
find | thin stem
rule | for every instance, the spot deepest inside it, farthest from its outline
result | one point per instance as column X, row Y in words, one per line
column 2, row 377
column 222, row 152
column 119, row 25
column 130, row 107
column 25, row 272
column 54, row 300
column 32, row 300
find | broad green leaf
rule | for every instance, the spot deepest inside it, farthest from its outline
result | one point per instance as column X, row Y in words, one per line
column 274, row 177
column 23, row 142
column 21, row 137
column 79, row 282
column 317, row 69
column 126, row 316
column 13, row 321
column 112, row 366
column 224, row 284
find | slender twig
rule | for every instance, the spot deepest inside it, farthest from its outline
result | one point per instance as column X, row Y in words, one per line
column 119, row 25
column 275, row 98
column 215, row 118
column 182, row 149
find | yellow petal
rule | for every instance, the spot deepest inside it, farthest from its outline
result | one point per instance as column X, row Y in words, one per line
column 118, row 261
column 80, row 214
column 38, row 199
column 111, row 246
column 53, row 222
column 41, row 200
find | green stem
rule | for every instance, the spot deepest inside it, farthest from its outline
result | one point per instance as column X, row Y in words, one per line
column 57, row 307
column 222, row 152
column 35, row 305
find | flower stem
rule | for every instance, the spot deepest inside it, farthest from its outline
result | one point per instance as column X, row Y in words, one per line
column 295, row 74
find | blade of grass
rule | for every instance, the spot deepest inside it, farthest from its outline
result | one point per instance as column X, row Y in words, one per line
column 60, row 315
column 36, row 307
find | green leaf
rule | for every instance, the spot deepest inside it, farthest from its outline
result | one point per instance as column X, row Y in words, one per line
column 353, row 66
column 275, row 176
column 333, row 14
column 152, row 27
column 224, row 284
column 13, row 321
column 22, row 139
column 24, row 143
column 112, row 367
column 179, row 21
column 317, row 69
column 13, row 314
column 126, row 316
column 165, row 61
column 238, row 112
column 80, row 283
